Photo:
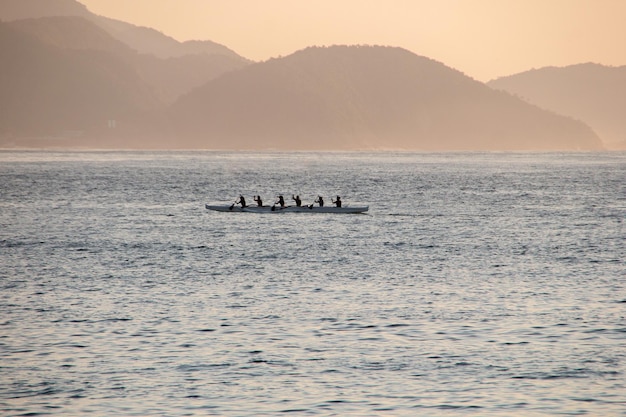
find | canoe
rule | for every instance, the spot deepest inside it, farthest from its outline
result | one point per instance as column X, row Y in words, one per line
column 288, row 209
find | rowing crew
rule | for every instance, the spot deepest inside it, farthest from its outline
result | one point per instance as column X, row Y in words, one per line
column 281, row 201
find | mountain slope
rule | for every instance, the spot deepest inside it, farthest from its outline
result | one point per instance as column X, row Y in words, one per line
column 70, row 32
column 593, row 93
column 45, row 90
column 65, row 76
column 26, row 9
column 150, row 41
column 169, row 78
column 366, row 98
column 142, row 39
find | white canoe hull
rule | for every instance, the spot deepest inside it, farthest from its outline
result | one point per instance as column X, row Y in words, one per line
column 288, row 209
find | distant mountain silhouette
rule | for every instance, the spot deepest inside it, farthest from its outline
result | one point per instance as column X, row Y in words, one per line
column 142, row 39
column 71, row 32
column 46, row 90
column 27, row 9
column 345, row 97
column 97, row 82
column 150, row 41
column 170, row 77
column 66, row 74
column 593, row 93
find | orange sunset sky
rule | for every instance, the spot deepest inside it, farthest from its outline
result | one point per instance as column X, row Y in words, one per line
column 483, row 38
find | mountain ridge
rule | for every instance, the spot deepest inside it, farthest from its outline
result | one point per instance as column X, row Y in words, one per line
column 142, row 39
column 46, row 89
column 362, row 96
column 169, row 77
column 591, row 92
column 81, row 77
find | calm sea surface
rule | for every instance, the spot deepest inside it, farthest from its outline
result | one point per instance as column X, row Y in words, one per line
column 478, row 284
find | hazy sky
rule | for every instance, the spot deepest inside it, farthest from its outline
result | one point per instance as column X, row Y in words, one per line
column 483, row 38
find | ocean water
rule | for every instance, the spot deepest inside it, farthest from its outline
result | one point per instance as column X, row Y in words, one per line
column 489, row 284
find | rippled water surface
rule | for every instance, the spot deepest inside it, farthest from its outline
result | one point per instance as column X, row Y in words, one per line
column 478, row 284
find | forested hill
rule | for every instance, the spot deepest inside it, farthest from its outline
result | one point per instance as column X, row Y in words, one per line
column 97, row 82
column 590, row 92
column 366, row 97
